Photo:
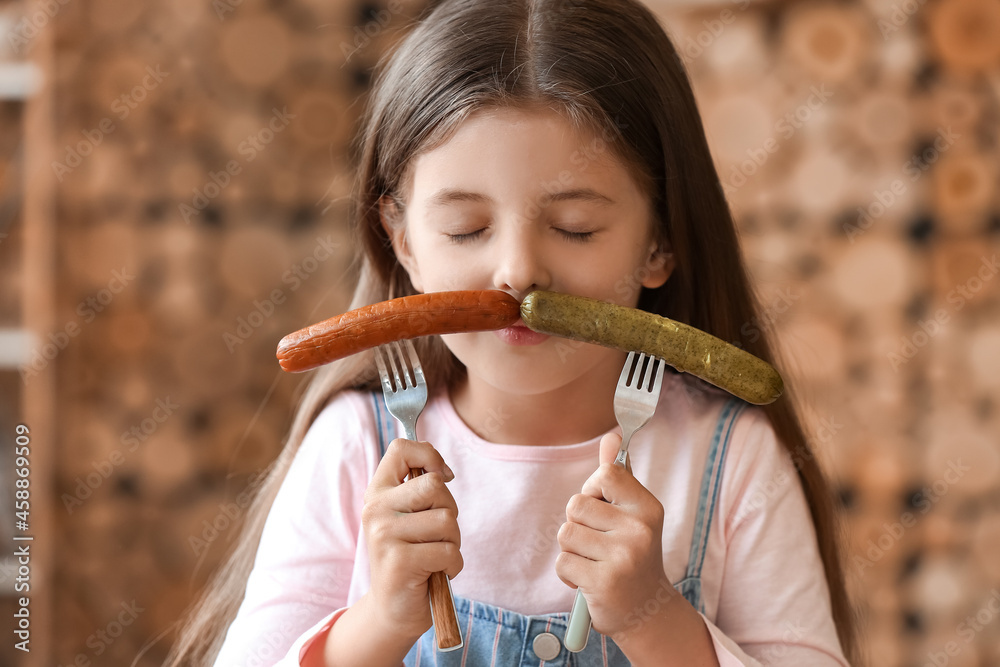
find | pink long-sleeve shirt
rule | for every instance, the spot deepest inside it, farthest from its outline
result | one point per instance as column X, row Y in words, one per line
column 765, row 596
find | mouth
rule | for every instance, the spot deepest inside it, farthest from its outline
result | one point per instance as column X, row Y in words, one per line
column 519, row 334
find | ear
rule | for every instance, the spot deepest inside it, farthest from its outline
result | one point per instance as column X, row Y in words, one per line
column 661, row 264
column 394, row 223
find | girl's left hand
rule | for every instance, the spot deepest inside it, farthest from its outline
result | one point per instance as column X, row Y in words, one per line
column 613, row 550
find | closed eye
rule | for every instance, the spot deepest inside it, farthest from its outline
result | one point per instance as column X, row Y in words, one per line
column 462, row 238
column 579, row 237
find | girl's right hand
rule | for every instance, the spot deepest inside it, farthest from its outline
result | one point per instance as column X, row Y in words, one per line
column 412, row 530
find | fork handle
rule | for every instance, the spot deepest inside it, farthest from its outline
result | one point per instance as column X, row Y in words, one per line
column 578, row 628
column 623, row 449
column 447, row 631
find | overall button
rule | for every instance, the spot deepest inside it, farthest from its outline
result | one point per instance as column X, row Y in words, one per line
column 546, row 646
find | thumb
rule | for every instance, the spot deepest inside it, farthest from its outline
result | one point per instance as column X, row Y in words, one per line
column 610, row 444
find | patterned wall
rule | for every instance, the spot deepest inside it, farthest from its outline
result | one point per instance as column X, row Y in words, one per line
column 857, row 143
column 203, row 180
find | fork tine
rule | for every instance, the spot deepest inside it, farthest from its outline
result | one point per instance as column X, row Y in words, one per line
column 652, row 367
column 651, row 378
column 640, row 372
column 417, row 369
column 389, row 352
column 648, row 364
column 658, row 380
column 627, row 369
column 382, row 370
column 404, row 367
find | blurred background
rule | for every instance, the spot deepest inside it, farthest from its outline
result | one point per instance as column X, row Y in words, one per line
column 174, row 194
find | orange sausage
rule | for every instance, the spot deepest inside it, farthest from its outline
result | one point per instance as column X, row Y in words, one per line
column 429, row 314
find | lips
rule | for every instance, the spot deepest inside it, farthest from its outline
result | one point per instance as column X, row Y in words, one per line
column 518, row 334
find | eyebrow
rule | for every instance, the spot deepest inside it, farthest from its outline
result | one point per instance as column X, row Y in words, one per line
column 446, row 196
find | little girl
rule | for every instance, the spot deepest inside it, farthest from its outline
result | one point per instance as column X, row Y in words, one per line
column 516, row 146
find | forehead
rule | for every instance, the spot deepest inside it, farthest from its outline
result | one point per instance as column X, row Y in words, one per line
column 521, row 149
column 504, row 123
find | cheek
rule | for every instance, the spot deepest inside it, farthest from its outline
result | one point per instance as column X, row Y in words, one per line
column 445, row 271
column 444, row 281
column 617, row 282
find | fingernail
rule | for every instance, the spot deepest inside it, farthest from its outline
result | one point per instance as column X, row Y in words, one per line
column 448, row 472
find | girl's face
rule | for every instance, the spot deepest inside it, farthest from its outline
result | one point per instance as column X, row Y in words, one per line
column 516, row 201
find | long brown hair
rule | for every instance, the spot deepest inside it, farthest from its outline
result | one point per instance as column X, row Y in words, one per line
column 608, row 66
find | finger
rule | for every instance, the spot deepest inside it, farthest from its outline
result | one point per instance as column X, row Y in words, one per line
column 610, row 444
column 434, row 525
column 583, row 541
column 400, row 456
column 594, row 512
column 428, row 491
column 575, row 570
column 615, row 485
column 430, row 557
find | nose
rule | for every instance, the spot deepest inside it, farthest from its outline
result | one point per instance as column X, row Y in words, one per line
column 520, row 265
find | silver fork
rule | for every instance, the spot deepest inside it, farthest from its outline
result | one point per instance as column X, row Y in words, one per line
column 405, row 400
column 636, row 397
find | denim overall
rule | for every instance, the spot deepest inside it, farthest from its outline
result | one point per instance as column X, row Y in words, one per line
column 499, row 637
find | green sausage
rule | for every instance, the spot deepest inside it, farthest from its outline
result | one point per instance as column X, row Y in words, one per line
column 684, row 347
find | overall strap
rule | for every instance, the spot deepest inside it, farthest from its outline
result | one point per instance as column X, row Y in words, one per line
column 710, row 482
column 384, row 425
